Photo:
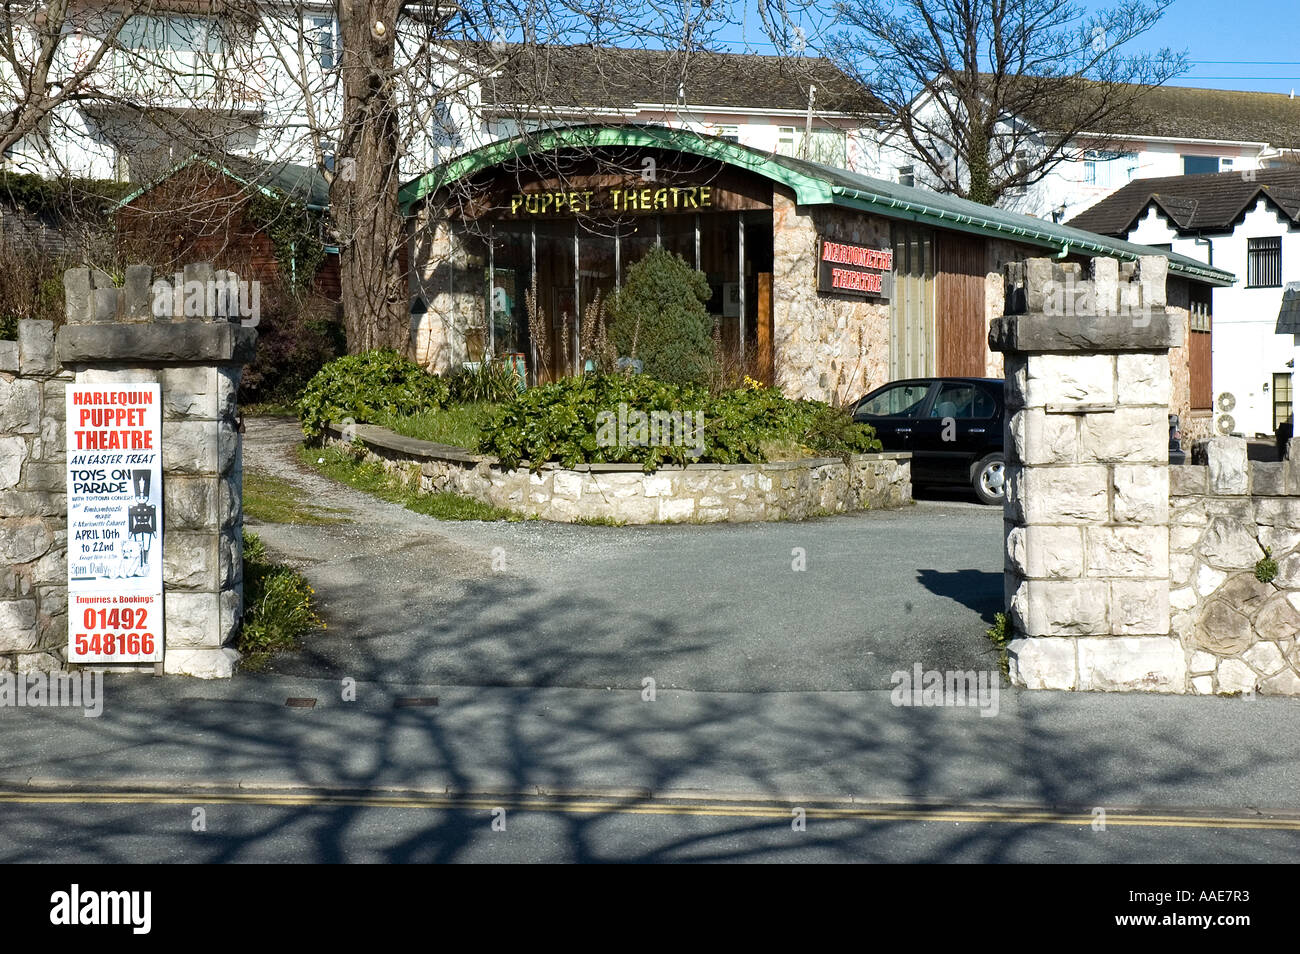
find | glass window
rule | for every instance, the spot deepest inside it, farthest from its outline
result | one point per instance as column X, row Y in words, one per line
column 323, row 41
column 1264, row 262
column 729, row 133
column 176, row 34
column 1200, row 165
column 907, row 175
column 901, row 400
column 785, row 145
column 828, row 146
column 964, row 401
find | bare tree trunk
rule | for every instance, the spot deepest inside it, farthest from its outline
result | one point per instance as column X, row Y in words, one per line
column 980, row 169
column 364, row 192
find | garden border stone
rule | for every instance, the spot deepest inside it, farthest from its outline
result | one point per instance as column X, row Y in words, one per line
column 703, row 493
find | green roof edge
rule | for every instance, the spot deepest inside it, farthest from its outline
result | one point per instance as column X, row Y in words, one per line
column 219, row 167
column 1049, row 236
column 810, row 188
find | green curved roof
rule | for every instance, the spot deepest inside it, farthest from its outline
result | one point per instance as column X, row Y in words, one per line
column 808, row 187
column 815, row 184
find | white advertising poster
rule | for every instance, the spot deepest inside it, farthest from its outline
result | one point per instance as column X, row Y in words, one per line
column 115, row 605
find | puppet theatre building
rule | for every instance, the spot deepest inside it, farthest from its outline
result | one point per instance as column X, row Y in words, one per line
column 827, row 282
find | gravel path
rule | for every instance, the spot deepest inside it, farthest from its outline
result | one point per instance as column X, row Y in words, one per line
column 414, row 600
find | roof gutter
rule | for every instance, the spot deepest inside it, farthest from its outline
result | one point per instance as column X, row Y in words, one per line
column 920, row 212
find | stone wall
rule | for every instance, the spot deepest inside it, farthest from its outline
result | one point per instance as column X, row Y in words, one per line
column 703, row 493
column 33, row 502
column 1240, row 634
column 825, row 348
column 111, row 337
column 1179, row 308
column 452, row 296
column 1005, row 267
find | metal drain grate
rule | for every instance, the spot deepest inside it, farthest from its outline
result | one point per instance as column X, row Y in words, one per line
column 300, row 702
column 415, row 702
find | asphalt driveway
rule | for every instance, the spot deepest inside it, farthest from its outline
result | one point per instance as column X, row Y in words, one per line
column 414, row 600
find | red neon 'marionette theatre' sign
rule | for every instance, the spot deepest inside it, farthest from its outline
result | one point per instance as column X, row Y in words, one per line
column 845, row 269
column 881, row 259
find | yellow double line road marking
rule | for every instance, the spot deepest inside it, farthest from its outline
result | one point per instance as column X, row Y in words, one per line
column 719, row 807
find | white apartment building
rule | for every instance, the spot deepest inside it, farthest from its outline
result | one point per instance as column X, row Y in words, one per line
column 262, row 82
column 1172, row 131
column 1247, row 223
column 256, row 81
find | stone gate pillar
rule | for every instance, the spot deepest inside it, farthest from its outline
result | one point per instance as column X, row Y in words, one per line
column 1087, row 508
column 187, row 332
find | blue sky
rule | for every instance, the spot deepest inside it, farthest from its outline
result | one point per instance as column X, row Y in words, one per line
column 1262, row 37
column 1233, row 44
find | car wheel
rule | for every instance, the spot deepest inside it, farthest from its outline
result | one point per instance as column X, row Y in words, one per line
column 990, row 480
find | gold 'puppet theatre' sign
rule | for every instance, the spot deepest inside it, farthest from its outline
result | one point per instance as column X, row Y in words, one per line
column 613, row 199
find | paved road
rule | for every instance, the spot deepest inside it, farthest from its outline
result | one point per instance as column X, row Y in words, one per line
column 537, row 674
column 412, row 599
column 141, row 832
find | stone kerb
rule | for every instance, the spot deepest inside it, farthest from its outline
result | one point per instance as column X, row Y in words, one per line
column 195, row 351
column 1087, row 507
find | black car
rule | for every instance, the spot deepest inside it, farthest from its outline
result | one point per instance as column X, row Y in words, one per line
column 953, row 427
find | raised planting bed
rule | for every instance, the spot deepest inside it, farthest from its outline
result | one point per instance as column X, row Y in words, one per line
column 623, row 493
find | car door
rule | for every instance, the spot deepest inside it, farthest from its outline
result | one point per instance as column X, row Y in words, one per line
column 956, row 431
column 893, row 410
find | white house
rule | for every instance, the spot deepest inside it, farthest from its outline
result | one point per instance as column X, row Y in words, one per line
column 1247, row 223
column 797, row 106
column 262, row 81
column 1172, row 131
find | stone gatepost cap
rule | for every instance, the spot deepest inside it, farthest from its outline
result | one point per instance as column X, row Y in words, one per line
column 152, row 343
column 1035, row 332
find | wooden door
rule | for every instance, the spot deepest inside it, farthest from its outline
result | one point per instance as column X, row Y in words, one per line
column 961, row 336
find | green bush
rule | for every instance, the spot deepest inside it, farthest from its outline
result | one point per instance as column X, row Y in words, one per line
column 366, row 387
column 491, row 381
column 278, row 608
column 296, row 337
column 563, row 422
column 739, row 422
column 659, row 316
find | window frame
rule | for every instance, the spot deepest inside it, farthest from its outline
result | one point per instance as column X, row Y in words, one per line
column 322, row 52
column 786, row 136
column 1257, row 259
